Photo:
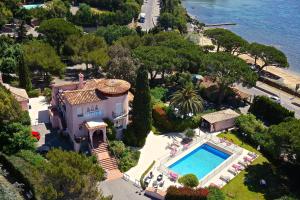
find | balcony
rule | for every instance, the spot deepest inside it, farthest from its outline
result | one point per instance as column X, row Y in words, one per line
column 93, row 114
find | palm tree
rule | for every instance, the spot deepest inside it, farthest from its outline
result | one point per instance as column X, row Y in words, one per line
column 186, row 101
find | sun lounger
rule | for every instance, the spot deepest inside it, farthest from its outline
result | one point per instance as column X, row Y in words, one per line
column 243, row 163
column 237, row 167
column 248, row 159
column 234, row 172
column 221, row 140
column 173, row 176
column 225, row 178
column 185, row 146
column 252, row 155
column 173, row 152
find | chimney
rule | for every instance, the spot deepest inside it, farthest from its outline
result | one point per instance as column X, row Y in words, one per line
column 81, row 77
column 1, row 80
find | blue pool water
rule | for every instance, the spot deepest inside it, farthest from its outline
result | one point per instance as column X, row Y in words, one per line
column 272, row 22
column 200, row 161
column 32, row 6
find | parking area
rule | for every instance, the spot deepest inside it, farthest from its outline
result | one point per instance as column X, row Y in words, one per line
column 121, row 190
column 38, row 111
column 39, row 116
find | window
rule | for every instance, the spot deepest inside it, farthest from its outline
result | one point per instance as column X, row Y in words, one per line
column 92, row 109
column 88, row 109
column 119, row 108
column 79, row 112
column 96, row 108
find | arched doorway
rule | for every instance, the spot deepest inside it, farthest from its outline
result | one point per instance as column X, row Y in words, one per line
column 98, row 138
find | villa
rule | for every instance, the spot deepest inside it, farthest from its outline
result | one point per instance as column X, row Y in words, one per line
column 79, row 108
column 20, row 94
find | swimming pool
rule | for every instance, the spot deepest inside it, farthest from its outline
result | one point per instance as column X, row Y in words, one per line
column 32, row 6
column 200, row 161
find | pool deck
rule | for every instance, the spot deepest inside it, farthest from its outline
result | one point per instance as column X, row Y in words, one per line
column 155, row 149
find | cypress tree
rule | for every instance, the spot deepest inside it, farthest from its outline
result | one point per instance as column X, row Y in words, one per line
column 141, row 108
column 24, row 76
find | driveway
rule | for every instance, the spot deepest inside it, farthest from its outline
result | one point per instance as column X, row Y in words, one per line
column 121, row 190
column 39, row 110
column 51, row 138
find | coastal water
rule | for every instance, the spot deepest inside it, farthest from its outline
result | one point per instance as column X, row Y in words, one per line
column 271, row 22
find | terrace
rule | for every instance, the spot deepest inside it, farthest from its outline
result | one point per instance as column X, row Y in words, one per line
column 159, row 148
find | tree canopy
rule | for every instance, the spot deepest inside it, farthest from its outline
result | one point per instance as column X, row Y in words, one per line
column 226, row 39
column 157, row 59
column 69, row 175
column 226, row 69
column 122, row 65
column 112, row 33
column 186, row 101
column 41, row 56
column 56, row 31
column 268, row 54
column 5, row 14
column 86, row 49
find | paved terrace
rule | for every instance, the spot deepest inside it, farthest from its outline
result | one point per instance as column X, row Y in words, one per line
column 155, row 149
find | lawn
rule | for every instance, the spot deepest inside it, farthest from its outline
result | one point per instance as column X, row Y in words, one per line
column 245, row 186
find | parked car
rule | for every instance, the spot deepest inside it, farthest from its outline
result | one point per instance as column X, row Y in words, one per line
column 36, row 135
column 275, row 99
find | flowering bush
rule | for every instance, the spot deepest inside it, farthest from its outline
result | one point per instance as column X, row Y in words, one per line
column 186, row 193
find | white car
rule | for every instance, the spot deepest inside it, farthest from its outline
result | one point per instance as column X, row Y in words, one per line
column 275, row 99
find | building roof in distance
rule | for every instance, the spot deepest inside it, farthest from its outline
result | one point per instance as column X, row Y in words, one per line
column 219, row 116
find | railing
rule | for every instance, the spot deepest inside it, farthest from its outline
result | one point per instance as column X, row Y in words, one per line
column 115, row 115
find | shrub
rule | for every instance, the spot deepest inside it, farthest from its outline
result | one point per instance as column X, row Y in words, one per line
column 165, row 121
column 145, row 173
column 215, row 194
column 161, row 119
column 186, row 193
column 158, row 94
column 129, row 137
column 111, row 131
column 267, row 110
column 48, row 94
column 127, row 158
column 190, row 133
column 118, row 147
column 189, row 180
column 34, row 93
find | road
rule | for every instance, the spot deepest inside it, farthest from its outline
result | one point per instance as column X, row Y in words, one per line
column 286, row 99
column 152, row 10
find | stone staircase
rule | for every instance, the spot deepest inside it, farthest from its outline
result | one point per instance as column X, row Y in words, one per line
column 108, row 162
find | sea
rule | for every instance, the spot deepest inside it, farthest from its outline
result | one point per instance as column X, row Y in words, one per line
column 271, row 22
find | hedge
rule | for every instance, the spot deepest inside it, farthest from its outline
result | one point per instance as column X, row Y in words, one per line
column 16, row 174
column 186, row 193
column 145, row 173
column 269, row 111
column 189, row 180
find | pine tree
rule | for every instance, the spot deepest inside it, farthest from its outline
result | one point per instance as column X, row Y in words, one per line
column 141, row 109
column 24, row 76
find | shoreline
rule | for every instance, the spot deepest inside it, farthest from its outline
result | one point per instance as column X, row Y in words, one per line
column 289, row 77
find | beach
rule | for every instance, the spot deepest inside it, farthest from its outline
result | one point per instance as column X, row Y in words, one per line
column 288, row 78
column 263, row 21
